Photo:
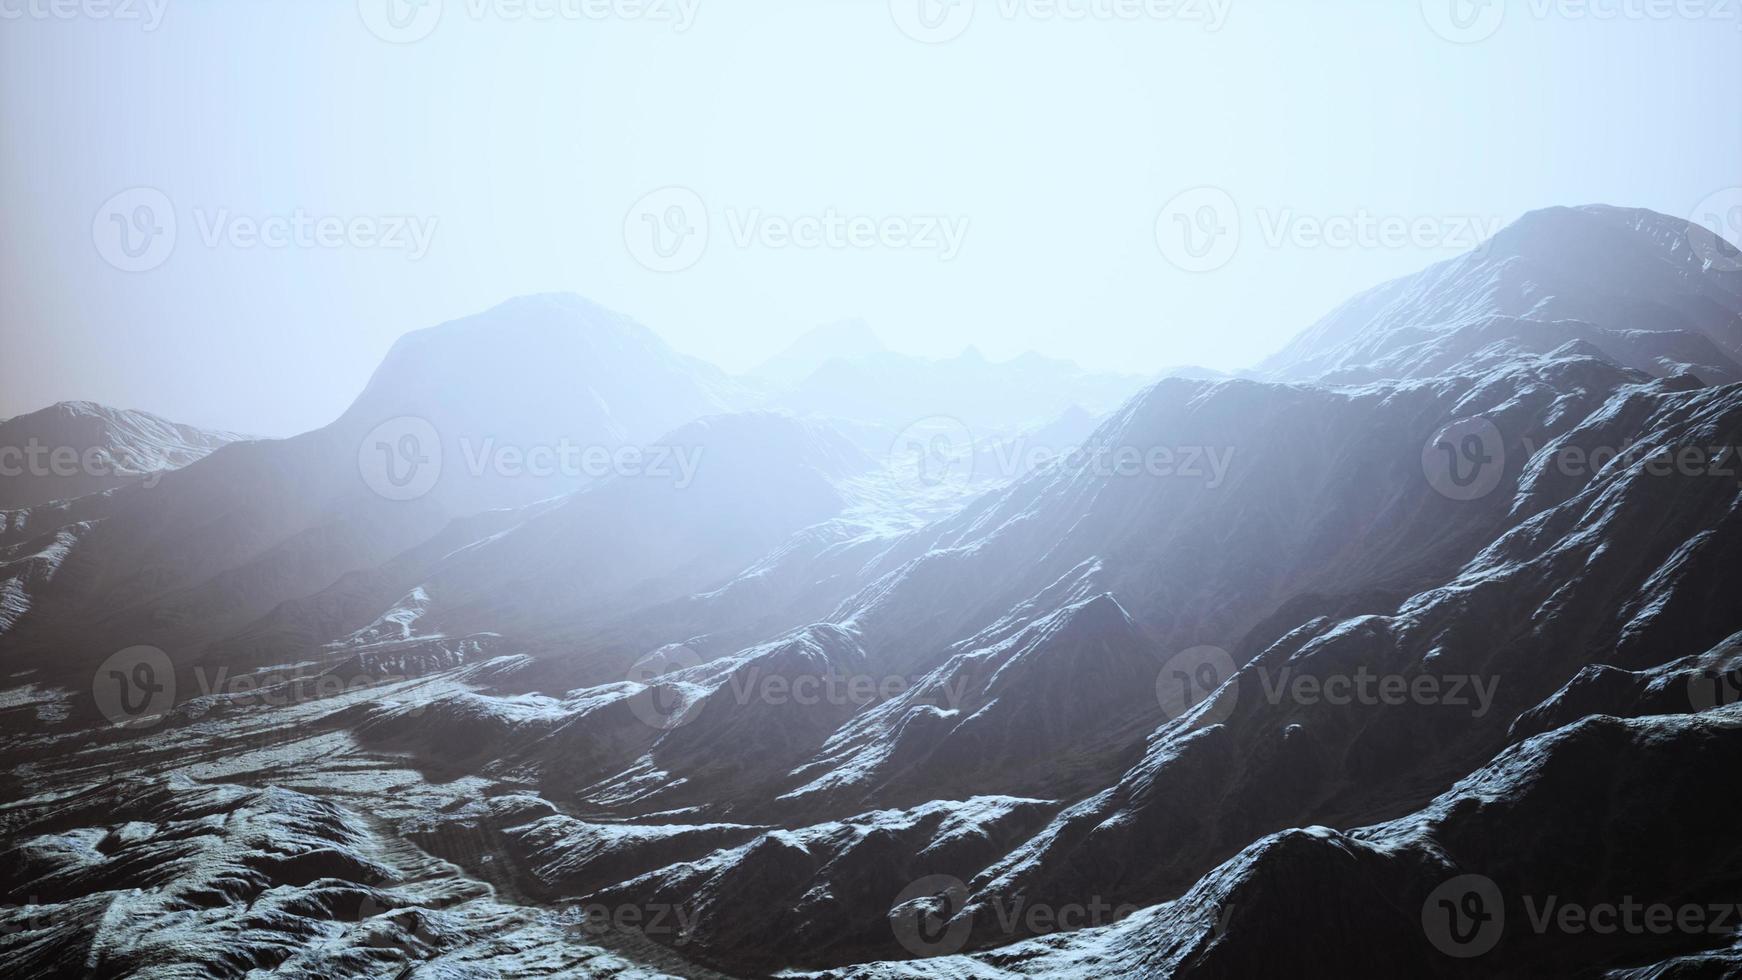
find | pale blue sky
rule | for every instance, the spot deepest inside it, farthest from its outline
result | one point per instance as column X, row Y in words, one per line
column 527, row 142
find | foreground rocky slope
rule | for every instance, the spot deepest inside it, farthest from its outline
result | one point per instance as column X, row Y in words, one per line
column 1600, row 848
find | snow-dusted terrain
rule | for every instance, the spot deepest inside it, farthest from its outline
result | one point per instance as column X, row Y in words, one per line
column 74, row 448
column 562, row 654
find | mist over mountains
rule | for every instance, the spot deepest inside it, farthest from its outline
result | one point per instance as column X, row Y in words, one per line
column 559, row 653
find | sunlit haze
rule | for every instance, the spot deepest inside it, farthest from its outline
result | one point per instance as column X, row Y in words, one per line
column 999, row 187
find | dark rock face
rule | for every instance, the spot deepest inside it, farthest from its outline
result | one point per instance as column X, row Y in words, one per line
column 1418, row 658
column 1554, row 859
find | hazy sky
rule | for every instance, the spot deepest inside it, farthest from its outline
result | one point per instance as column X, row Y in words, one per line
column 1014, row 184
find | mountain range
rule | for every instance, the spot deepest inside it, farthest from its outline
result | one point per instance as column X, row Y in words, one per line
column 560, row 653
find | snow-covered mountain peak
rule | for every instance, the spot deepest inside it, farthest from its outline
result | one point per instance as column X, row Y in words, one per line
column 1629, row 281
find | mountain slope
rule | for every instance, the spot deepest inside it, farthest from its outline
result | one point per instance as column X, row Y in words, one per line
column 897, row 390
column 842, row 339
column 1517, row 622
column 1628, row 281
column 1240, row 684
column 518, row 403
column 74, row 448
column 1600, row 817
